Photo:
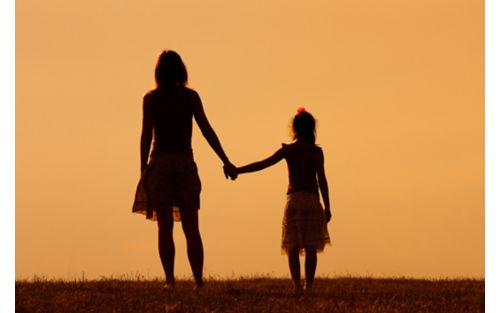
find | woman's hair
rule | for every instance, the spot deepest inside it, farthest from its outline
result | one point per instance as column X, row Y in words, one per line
column 304, row 126
column 170, row 70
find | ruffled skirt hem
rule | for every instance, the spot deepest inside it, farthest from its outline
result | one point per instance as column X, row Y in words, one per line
column 304, row 224
column 169, row 182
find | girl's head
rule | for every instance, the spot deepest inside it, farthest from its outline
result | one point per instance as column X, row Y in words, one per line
column 170, row 70
column 304, row 126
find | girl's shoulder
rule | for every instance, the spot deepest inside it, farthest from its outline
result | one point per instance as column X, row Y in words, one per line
column 300, row 149
column 302, row 146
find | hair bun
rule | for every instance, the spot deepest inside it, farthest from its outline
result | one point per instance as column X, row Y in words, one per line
column 301, row 110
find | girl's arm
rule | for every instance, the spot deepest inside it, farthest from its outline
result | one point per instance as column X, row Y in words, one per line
column 323, row 186
column 257, row 166
column 208, row 132
column 147, row 131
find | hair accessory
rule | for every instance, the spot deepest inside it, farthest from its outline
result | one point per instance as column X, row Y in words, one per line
column 300, row 110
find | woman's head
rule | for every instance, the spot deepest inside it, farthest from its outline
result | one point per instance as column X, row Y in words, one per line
column 304, row 126
column 170, row 70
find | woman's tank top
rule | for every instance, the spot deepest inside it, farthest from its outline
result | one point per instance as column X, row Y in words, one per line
column 173, row 120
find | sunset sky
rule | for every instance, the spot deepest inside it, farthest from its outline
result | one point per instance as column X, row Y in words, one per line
column 397, row 88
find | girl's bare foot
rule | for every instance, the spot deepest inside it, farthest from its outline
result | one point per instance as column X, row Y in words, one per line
column 309, row 287
column 297, row 288
column 170, row 284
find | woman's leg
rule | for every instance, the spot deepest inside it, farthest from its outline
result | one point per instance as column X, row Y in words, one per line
column 194, row 244
column 294, row 264
column 166, row 245
column 311, row 261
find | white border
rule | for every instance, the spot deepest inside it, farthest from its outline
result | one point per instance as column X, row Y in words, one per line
column 7, row 155
column 492, row 154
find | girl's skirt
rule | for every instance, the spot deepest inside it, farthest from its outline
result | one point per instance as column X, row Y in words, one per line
column 304, row 223
column 169, row 182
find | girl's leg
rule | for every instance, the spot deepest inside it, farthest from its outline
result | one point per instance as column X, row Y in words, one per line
column 194, row 244
column 166, row 246
column 294, row 264
column 311, row 261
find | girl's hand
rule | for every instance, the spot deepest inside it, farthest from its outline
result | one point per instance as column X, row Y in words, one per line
column 230, row 171
column 328, row 215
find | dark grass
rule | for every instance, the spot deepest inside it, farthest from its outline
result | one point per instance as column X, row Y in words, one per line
column 252, row 295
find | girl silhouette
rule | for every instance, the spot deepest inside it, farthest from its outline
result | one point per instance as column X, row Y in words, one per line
column 304, row 220
column 169, row 187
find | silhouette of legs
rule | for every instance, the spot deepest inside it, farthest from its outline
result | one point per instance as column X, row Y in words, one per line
column 194, row 244
column 294, row 264
column 311, row 261
column 166, row 246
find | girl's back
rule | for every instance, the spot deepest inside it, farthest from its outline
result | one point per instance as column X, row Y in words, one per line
column 303, row 160
column 304, row 219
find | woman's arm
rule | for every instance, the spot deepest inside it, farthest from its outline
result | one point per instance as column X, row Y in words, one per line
column 147, row 131
column 208, row 132
column 323, row 186
column 257, row 166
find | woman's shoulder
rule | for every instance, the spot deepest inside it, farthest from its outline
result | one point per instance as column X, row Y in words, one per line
column 190, row 94
column 318, row 150
column 153, row 95
column 181, row 91
column 188, row 91
column 150, row 93
column 149, row 98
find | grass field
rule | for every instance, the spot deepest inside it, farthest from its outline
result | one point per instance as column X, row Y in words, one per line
column 252, row 295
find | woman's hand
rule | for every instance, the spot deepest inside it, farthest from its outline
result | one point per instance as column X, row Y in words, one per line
column 230, row 171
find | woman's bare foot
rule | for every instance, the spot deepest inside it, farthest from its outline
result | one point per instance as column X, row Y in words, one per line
column 199, row 286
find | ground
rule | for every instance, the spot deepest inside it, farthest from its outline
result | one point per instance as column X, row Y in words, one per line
column 243, row 295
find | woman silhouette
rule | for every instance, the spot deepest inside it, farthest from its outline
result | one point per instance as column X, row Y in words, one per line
column 169, row 184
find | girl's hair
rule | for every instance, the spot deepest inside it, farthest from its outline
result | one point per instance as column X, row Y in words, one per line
column 170, row 71
column 304, row 126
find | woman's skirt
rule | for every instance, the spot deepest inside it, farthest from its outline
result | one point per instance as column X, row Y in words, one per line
column 304, row 224
column 169, row 182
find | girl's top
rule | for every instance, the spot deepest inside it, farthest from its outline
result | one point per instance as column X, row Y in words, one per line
column 173, row 119
column 302, row 159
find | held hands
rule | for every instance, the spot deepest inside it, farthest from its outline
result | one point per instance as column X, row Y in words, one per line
column 230, row 171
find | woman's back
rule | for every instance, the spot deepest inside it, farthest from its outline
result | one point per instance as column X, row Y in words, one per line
column 169, row 175
column 172, row 111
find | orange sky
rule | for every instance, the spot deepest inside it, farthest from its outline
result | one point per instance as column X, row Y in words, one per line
column 397, row 88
